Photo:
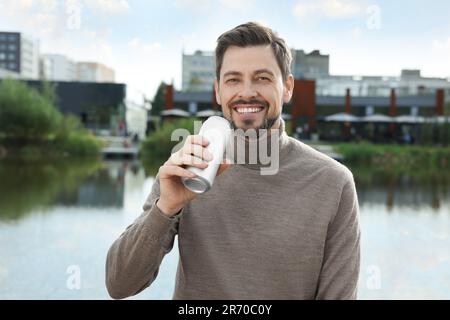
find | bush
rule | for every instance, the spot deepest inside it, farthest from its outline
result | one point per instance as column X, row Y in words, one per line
column 32, row 128
column 158, row 146
column 25, row 114
column 395, row 156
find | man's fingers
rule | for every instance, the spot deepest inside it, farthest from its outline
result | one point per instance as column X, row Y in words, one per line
column 167, row 171
column 197, row 139
column 182, row 159
column 198, row 151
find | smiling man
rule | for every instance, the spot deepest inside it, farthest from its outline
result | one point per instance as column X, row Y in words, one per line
column 293, row 234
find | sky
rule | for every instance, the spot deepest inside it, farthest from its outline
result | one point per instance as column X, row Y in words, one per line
column 143, row 40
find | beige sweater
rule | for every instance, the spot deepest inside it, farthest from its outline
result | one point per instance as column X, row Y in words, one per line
column 293, row 235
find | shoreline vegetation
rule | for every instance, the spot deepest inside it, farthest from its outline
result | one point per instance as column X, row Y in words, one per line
column 394, row 157
column 33, row 129
column 156, row 148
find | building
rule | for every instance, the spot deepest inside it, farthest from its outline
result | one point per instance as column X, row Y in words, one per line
column 19, row 54
column 94, row 72
column 410, row 82
column 198, row 71
column 311, row 65
column 57, row 67
column 4, row 73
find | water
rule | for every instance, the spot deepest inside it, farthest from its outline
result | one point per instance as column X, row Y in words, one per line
column 58, row 221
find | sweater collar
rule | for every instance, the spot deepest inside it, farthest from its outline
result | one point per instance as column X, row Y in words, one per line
column 263, row 152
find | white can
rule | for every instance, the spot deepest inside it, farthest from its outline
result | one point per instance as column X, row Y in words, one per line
column 218, row 131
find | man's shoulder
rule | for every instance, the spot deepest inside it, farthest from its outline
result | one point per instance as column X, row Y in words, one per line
column 304, row 158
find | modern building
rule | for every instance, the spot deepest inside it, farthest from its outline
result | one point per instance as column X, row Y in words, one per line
column 311, row 65
column 19, row 54
column 410, row 82
column 94, row 72
column 57, row 67
column 198, row 71
column 4, row 73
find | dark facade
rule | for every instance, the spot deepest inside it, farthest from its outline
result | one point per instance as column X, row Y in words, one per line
column 94, row 103
column 10, row 51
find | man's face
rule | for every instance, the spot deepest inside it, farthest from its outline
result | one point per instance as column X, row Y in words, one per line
column 251, row 89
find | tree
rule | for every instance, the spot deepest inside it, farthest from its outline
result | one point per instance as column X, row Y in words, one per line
column 159, row 101
column 25, row 114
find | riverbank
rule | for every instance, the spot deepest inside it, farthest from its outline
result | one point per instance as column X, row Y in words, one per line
column 395, row 157
column 33, row 129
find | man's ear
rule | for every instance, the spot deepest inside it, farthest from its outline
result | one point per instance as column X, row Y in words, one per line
column 288, row 88
column 216, row 89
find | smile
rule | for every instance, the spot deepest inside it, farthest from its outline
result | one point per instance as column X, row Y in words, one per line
column 243, row 109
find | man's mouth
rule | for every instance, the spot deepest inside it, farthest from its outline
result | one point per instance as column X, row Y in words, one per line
column 244, row 109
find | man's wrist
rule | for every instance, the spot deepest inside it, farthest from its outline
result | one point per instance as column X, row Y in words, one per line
column 167, row 210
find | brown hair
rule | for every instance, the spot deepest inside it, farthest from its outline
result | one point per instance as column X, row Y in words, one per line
column 254, row 34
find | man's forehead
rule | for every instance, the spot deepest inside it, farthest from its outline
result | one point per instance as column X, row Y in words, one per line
column 249, row 59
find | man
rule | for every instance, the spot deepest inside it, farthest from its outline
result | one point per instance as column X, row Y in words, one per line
column 293, row 234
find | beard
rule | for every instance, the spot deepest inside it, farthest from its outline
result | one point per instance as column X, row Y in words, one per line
column 267, row 123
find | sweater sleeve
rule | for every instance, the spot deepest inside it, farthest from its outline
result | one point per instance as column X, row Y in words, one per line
column 340, row 267
column 133, row 260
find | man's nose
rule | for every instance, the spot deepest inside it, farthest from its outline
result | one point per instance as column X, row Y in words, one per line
column 248, row 90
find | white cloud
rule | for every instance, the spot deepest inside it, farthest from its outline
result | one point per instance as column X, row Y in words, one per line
column 108, row 6
column 196, row 6
column 139, row 45
column 357, row 33
column 237, row 4
column 439, row 45
column 327, row 8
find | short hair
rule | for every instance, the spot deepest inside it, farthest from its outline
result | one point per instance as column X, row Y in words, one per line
column 254, row 34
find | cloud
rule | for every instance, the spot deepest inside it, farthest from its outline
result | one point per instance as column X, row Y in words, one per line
column 194, row 6
column 327, row 9
column 139, row 45
column 357, row 33
column 441, row 45
column 237, row 4
column 108, row 6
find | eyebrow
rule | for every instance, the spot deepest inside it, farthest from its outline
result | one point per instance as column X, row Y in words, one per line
column 264, row 71
column 259, row 71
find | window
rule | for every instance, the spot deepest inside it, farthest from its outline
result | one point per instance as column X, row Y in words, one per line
column 2, row 37
column 2, row 65
column 12, row 65
column 12, row 37
column 11, row 56
column 2, row 56
column 12, row 47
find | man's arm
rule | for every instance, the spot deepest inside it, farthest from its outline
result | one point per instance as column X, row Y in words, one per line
column 340, row 267
column 134, row 258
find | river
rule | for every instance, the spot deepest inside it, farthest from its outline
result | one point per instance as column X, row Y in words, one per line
column 58, row 221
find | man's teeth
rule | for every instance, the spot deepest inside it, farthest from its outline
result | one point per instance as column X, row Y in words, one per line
column 248, row 110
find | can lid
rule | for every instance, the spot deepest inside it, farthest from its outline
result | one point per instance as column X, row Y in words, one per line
column 197, row 184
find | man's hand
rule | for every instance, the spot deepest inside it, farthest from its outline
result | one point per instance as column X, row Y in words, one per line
column 173, row 194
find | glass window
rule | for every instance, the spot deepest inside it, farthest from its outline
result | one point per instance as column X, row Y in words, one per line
column 11, row 56
column 12, row 47
column 2, row 56
column 2, row 36
column 12, row 65
column 2, row 65
column 12, row 37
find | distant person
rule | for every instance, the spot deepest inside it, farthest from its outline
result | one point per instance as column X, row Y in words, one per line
column 290, row 235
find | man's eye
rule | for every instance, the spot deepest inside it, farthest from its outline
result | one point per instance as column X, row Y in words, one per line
column 263, row 78
column 232, row 80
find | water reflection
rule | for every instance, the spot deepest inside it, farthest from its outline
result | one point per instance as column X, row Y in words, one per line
column 57, row 215
column 27, row 187
column 415, row 190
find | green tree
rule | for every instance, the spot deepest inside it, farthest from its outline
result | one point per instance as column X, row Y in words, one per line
column 159, row 100
column 25, row 114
